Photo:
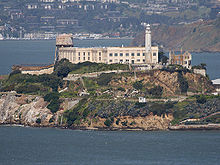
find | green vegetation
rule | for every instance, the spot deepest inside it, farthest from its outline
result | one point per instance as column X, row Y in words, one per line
column 63, row 67
column 108, row 122
column 162, row 108
column 155, row 91
column 213, row 119
column 182, row 82
column 162, row 58
column 200, row 66
column 54, row 102
column 201, row 99
column 31, row 84
column 176, row 68
column 121, row 89
column 73, row 116
column 89, row 67
column 104, row 79
column 138, row 85
column 38, row 121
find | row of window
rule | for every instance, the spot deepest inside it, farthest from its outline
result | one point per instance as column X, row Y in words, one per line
column 84, row 58
column 84, row 53
column 127, row 60
column 127, row 54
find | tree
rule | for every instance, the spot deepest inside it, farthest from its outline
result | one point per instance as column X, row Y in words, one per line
column 156, row 91
column 183, row 83
column 138, row 85
column 38, row 121
column 162, row 58
column 108, row 122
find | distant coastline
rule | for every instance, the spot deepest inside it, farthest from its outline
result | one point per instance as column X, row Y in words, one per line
column 77, row 38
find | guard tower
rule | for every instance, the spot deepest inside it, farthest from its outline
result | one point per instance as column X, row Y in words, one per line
column 63, row 40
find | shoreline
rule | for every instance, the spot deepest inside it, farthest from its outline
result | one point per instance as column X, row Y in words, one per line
column 208, row 127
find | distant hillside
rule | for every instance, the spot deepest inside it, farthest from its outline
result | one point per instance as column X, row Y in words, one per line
column 199, row 36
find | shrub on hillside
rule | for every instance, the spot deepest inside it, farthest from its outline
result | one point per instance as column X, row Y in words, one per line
column 104, row 78
column 54, row 102
column 201, row 99
column 156, row 91
column 38, row 121
column 28, row 88
column 183, row 83
column 138, row 85
column 108, row 122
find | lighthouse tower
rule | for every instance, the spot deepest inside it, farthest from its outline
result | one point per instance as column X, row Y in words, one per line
column 148, row 52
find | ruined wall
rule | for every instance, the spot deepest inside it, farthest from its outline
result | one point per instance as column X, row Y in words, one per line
column 38, row 72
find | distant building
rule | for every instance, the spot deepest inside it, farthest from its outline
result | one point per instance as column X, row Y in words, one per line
column 183, row 59
column 216, row 84
column 200, row 71
column 109, row 55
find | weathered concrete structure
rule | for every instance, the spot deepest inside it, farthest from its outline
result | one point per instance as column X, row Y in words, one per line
column 34, row 69
column 200, row 71
column 183, row 59
column 108, row 55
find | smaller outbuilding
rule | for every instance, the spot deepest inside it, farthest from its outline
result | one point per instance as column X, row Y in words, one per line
column 142, row 100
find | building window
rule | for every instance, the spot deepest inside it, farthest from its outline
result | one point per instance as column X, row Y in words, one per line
column 88, row 58
column 79, row 53
column 110, row 54
column 185, row 62
column 88, row 53
column 116, row 54
column 143, row 54
column 100, row 53
column 121, row 54
column 110, row 60
column 84, row 53
column 154, row 54
column 121, row 60
column 138, row 54
column 143, row 60
column 84, row 58
column 138, row 60
column 132, row 54
column 79, row 58
column 127, row 60
column 127, row 54
column 100, row 58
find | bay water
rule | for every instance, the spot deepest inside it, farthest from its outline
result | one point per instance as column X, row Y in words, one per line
column 51, row 146
column 42, row 52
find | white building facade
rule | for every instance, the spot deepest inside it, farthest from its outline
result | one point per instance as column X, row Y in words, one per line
column 108, row 55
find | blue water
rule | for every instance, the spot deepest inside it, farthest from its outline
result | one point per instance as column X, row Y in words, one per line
column 48, row 146
column 42, row 52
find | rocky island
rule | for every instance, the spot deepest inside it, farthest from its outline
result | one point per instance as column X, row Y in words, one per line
column 110, row 96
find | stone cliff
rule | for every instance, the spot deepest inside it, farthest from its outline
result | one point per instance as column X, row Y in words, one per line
column 28, row 110
column 169, row 81
column 111, row 101
column 25, row 110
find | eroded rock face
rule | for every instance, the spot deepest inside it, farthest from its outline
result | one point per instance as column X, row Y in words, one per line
column 24, row 110
column 147, row 123
column 168, row 81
